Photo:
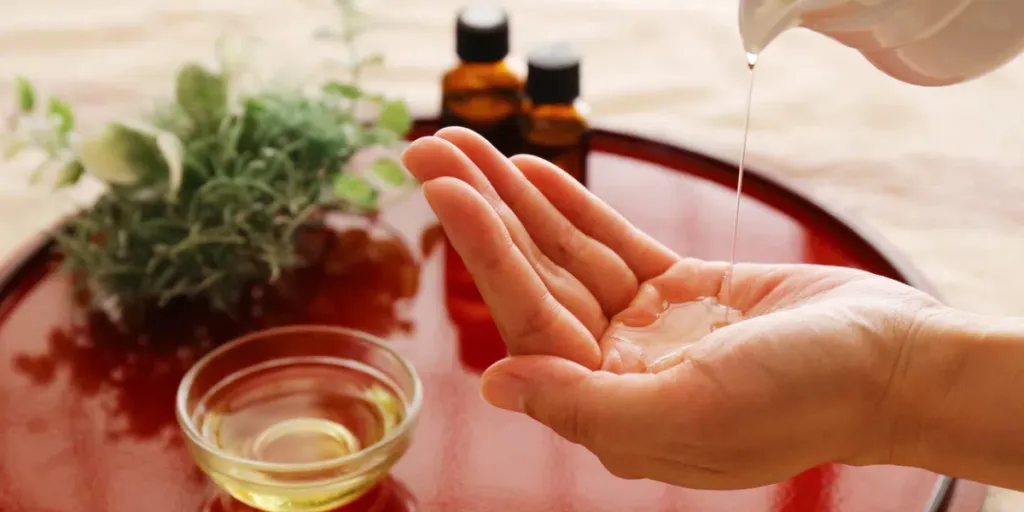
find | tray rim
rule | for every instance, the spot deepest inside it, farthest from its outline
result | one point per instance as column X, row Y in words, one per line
column 949, row 494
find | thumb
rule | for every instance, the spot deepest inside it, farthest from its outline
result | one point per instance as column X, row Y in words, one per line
column 592, row 408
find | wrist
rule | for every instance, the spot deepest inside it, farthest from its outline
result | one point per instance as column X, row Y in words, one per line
column 960, row 403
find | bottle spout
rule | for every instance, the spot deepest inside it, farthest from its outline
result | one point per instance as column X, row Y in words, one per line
column 761, row 21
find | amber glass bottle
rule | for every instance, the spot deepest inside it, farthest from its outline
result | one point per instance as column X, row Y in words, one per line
column 483, row 93
column 554, row 124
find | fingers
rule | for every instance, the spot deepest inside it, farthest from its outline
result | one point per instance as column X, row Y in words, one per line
column 644, row 255
column 430, row 157
column 599, row 410
column 599, row 268
column 529, row 317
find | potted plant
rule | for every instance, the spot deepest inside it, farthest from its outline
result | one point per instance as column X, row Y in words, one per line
column 213, row 192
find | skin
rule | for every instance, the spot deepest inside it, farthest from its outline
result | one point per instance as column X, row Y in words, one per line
column 832, row 365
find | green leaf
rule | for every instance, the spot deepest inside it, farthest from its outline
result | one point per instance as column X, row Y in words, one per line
column 389, row 170
column 202, row 94
column 343, row 90
column 395, row 117
column 26, row 94
column 70, row 174
column 173, row 153
column 355, row 190
column 61, row 112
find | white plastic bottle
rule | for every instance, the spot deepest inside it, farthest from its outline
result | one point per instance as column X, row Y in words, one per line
column 922, row 42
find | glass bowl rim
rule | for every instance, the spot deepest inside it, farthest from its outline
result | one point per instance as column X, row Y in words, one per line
column 190, row 430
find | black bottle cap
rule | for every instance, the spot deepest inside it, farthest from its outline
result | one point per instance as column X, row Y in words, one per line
column 481, row 33
column 553, row 74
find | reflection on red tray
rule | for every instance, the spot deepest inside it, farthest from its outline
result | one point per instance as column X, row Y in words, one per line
column 86, row 411
column 388, row 496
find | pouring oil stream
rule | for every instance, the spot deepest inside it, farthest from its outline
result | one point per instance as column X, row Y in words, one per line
column 727, row 288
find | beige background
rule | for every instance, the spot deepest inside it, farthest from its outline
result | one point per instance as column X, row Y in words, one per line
column 939, row 172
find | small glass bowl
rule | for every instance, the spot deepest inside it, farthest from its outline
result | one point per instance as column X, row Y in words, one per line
column 307, row 471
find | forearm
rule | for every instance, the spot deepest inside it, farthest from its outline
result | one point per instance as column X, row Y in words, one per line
column 963, row 407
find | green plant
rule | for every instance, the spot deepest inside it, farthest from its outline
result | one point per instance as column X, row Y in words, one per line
column 206, row 196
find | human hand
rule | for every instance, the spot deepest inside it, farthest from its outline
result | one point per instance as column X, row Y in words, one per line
column 552, row 261
column 811, row 376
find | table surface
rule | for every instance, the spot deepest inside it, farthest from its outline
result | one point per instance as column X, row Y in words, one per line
column 939, row 172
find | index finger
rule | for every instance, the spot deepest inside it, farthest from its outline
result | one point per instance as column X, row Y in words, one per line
column 530, row 319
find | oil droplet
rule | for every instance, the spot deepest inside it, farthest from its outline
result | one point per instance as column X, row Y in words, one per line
column 751, row 60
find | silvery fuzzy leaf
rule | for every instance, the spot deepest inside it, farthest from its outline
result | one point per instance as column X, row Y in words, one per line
column 201, row 93
column 173, row 151
column 109, row 155
column 133, row 155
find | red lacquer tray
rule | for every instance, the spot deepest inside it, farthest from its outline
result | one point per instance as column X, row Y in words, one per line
column 86, row 412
